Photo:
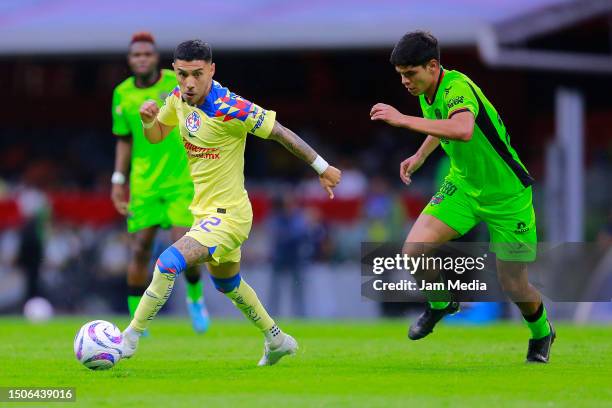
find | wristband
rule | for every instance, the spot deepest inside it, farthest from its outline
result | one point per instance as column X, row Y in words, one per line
column 320, row 165
column 147, row 125
column 118, row 178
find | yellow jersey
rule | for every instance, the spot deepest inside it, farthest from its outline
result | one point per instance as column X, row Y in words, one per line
column 214, row 136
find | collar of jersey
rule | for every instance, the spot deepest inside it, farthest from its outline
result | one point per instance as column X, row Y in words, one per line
column 438, row 86
column 208, row 107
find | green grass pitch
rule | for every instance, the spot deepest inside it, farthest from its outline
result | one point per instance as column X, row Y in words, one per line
column 340, row 363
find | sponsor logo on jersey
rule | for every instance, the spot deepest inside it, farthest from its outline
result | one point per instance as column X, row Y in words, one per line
column 260, row 121
column 455, row 101
column 521, row 228
column 193, row 121
column 212, row 153
column 447, row 90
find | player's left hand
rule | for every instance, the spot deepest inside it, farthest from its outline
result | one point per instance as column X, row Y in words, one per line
column 387, row 113
column 330, row 179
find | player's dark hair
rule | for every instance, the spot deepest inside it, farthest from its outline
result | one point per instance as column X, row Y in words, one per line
column 193, row 50
column 415, row 48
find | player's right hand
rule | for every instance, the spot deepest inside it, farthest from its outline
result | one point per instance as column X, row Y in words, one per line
column 119, row 198
column 409, row 166
column 329, row 179
column 148, row 111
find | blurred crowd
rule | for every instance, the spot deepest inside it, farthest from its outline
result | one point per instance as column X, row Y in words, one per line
column 78, row 266
column 81, row 266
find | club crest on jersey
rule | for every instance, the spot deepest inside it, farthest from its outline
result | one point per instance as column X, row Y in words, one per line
column 436, row 199
column 193, row 121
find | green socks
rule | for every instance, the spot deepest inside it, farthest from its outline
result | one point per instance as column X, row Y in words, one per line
column 538, row 323
column 194, row 291
column 437, row 298
column 439, row 305
column 133, row 301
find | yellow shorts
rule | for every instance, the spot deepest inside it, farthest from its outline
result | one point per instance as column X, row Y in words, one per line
column 223, row 230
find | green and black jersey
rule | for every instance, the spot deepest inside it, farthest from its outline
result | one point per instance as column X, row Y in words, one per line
column 486, row 167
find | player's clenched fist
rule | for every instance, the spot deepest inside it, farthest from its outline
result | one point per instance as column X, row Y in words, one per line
column 149, row 111
column 330, row 179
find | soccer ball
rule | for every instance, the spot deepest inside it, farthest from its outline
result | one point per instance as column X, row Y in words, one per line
column 96, row 345
column 38, row 310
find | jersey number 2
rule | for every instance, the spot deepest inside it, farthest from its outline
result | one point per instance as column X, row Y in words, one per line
column 213, row 221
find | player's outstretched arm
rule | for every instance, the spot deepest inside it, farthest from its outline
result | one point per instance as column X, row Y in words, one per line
column 414, row 162
column 459, row 127
column 329, row 176
column 154, row 131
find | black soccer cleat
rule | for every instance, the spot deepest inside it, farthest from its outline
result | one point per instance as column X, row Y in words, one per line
column 539, row 350
column 428, row 319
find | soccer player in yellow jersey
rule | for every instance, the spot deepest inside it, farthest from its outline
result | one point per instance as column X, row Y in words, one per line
column 214, row 123
column 160, row 187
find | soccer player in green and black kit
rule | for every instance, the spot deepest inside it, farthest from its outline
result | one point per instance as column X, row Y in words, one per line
column 487, row 182
column 160, row 188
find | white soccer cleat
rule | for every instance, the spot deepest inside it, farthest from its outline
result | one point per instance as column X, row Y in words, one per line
column 271, row 355
column 129, row 343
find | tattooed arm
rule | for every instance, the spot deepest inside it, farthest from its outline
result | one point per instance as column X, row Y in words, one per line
column 292, row 142
column 329, row 176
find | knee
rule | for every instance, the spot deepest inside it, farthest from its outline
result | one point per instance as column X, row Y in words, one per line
column 226, row 285
column 141, row 249
column 171, row 263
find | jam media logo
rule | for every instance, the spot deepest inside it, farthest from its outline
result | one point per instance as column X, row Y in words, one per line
column 521, row 228
column 193, row 121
